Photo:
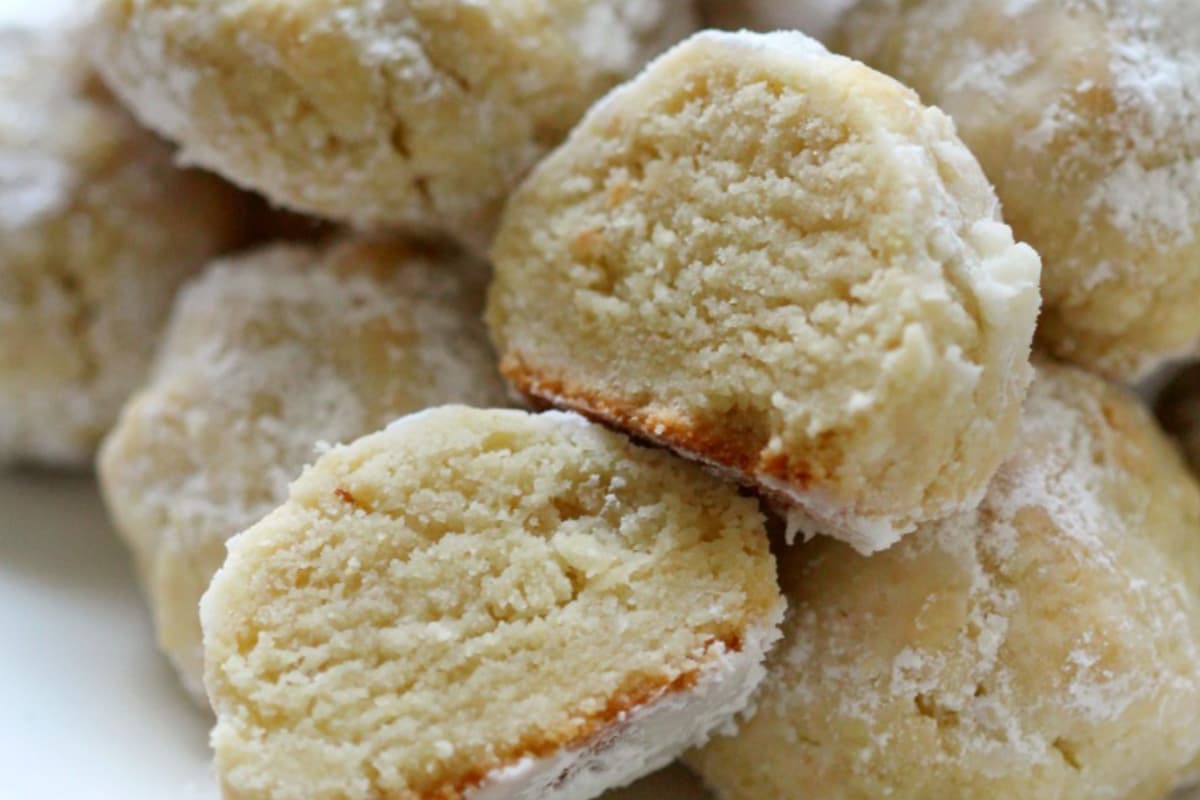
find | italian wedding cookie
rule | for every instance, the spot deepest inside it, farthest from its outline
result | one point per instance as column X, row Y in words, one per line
column 97, row 231
column 417, row 113
column 484, row 604
column 267, row 355
column 1046, row 645
column 1086, row 116
column 777, row 261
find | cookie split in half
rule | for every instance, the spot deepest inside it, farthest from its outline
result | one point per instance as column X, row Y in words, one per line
column 486, row 604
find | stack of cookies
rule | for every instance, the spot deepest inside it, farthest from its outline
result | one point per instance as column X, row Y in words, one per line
column 637, row 391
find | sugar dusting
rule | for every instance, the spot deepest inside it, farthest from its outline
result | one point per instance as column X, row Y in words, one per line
column 621, row 36
column 1060, row 498
column 246, row 332
column 1086, row 116
column 32, row 188
column 990, row 72
column 424, row 118
column 1148, row 142
column 38, row 83
column 647, row 737
column 270, row 358
column 39, row 86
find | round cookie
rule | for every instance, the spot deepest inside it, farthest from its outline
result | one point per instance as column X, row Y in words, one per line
column 97, row 231
column 1086, row 117
column 1179, row 410
column 1046, row 645
column 416, row 113
column 775, row 260
column 267, row 355
column 817, row 18
column 485, row 604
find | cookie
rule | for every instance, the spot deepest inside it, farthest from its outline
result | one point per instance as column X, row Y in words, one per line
column 98, row 229
column 423, row 114
column 1086, row 117
column 269, row 354
column 486, row 604
column 1046, row 645
column 776, row 261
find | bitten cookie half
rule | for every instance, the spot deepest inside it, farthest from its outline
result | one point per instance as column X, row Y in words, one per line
column 416, row 113
column 98, row 229
column 777, row 261
column 1044, row 646
column 484, row 604
column 267, row 355
column 1086, row 116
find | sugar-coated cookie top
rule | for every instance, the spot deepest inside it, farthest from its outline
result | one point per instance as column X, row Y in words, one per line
column 270, row 355
column 1045, row 645
column 421, row 115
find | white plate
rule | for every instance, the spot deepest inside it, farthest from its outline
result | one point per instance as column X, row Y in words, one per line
column 88, row 709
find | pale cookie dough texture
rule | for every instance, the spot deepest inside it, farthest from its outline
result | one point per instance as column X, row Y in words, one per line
column 1086, row 116
column 817, row 18
column 1179, row 409
column 97, row 231
column 268, row 355
column 1046, row 645
column 485, row 604
column 776, row 260
column 415, row 113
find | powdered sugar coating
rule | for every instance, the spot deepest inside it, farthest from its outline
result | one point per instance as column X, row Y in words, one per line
column 377, row 113
column 267, row 355
column 1086, row 116
column 484, row 603
column 1046, row 645
column 43, row 13
column 646, row 738
column 1179, row 409
column 97, row 230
